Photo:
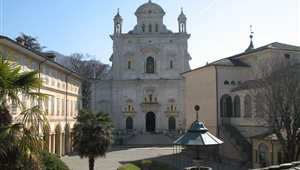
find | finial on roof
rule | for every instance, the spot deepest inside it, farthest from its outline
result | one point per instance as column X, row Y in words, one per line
column 118, row 10
column 197, row 108
column 149, row 1
column 181, row 10
column 251, row 46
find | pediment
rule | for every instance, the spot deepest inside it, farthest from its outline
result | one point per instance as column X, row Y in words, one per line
column 150, row 49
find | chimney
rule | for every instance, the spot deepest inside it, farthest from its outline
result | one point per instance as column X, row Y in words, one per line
column 50, row 56
column 20, row 40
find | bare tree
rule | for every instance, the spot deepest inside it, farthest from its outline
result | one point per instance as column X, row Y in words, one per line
column 89, row 68
column 278, row 89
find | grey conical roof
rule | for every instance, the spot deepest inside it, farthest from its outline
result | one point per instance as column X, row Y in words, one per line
column 198, row 135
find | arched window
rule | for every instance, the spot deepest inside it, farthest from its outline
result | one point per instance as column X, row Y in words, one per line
column 247, row 106
column 226, row 82
column 171, row 64
column 182, row 27
column 172, row 123
column 226, row 106
column 150, row 28
column 156, row 28
column 150, row 65
column 232, row 82
column 143, row 28
column 263, row 155
column 129, row 65
column 259, row 105
column 239, row 83
column 129, row 123
column 118, row 28
column 237, row 106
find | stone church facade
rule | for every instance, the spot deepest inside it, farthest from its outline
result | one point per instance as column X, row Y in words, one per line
column 143, row 91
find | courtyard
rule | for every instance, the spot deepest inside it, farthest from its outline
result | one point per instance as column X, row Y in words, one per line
column 120, row 155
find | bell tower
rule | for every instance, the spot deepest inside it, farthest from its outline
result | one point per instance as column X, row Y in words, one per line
column 182, row 22
column 118, row 23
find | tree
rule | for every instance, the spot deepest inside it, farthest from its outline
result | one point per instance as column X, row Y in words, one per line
column 19, row 144
column 278, row 89
column 30, row 42
column 92, row 135
column 89, row 68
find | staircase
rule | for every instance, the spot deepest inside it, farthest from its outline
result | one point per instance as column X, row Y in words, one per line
column 148, row 139
column 236, row 147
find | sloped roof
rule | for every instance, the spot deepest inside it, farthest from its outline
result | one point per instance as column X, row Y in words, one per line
column 234, row 61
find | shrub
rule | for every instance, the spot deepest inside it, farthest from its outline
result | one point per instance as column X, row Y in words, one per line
column 52, row 162
column 128, row 167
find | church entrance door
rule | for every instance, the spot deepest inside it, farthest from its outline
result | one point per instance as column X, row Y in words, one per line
column 150, row 122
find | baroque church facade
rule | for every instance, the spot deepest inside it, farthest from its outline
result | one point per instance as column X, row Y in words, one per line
column 144, row 91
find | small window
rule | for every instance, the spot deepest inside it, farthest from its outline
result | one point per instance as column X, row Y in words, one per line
column 129, row 65
column 150, row 65
column 226, row 82
column 232, row 83
column 239, row 82
column 129, row 123
column 287, row 56
column 171, row 64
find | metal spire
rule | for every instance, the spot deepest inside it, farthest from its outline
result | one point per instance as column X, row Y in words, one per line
column 251, row 46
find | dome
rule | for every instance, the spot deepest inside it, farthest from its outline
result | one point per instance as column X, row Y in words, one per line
column 149, row 8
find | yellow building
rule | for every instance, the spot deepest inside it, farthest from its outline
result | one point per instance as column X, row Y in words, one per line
column 63, row 87
column 229, row 111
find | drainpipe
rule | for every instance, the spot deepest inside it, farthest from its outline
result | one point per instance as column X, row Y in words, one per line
column 218, row 131
column 217, row 103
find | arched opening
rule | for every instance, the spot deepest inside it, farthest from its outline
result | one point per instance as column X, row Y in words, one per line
column 46, row 137
column 129, row 65
column 150, row 65
column 226, row 106
column 237, row 106
column 247, row 106
column 182, row 27
column 150, row 28
column 143, row 28
column 118, row 28
column 259, row 105
column 68, row 139
column 233, row 82
column 156, row 28
column 150, row 122
column 226, row 82
column 58, row 140
column 263, row 155
column 172, row 123
column 129, row 123
column 171, row 64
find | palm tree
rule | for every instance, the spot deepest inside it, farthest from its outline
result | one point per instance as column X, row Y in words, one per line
column 92, row 135
column 19, row 145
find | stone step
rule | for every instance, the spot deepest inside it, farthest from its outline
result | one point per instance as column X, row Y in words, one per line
column 148, row 139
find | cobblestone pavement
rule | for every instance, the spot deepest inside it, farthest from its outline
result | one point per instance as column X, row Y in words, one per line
column 120, row 155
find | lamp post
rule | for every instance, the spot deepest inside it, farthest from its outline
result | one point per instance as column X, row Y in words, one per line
column 179, row 123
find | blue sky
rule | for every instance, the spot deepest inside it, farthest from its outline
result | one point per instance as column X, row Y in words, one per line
column 218, row 28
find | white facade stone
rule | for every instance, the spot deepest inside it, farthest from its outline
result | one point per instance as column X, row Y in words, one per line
column 145, row 74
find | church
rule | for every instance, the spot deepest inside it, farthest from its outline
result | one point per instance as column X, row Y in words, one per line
column 144, row 91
